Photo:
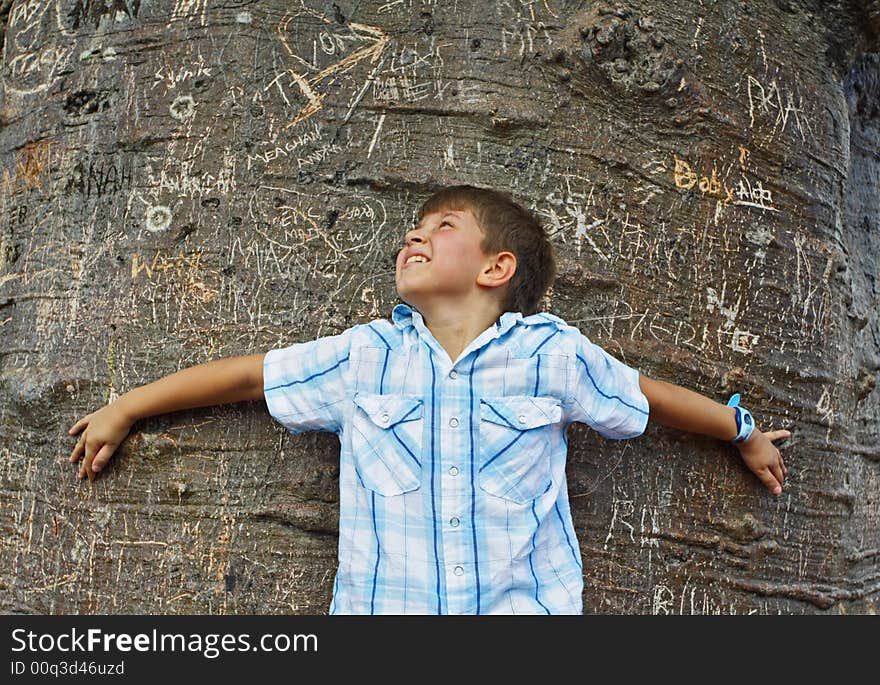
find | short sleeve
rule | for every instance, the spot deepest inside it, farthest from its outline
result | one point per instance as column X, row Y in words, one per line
column 305, row 384
column 605, row 393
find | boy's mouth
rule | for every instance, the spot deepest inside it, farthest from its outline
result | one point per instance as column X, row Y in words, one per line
column 416, row 259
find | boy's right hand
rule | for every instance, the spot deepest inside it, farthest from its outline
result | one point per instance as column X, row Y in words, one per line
column 104, row 430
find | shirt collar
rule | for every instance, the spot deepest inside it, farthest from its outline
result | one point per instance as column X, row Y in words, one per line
column 405, row 316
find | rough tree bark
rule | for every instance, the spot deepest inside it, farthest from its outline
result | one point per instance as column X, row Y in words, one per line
column 189, row 180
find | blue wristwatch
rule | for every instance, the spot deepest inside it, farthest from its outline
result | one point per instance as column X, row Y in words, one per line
column 745, row 424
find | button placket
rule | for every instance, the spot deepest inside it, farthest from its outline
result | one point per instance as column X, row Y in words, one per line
column 454, row 498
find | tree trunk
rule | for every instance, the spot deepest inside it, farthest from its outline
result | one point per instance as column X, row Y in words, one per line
column 183, row 182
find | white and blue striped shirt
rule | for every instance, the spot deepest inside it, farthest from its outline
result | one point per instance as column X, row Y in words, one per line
column 453, row 497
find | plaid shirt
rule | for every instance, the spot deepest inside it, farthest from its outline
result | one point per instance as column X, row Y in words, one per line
column 453, row 497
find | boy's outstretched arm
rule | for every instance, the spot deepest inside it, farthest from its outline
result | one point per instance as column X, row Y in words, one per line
column 677, row 407
column 222, row 381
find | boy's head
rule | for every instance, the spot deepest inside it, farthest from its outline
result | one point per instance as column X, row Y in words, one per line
column 477, row 236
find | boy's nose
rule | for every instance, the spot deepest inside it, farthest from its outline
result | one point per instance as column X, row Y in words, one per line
column 413, row 237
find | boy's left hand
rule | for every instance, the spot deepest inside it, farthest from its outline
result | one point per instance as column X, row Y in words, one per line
column 764, row 459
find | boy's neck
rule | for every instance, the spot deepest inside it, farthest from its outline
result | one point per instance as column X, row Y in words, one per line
column 456, row 328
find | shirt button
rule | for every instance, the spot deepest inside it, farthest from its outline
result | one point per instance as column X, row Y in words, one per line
column 453, row 422
column 385, row 418
column 453, row 374
column 522, row 418
column 458, row 570
column 453, row 470
column 454, row 522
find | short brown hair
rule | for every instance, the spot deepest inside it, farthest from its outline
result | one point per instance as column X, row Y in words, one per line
column 507, row 226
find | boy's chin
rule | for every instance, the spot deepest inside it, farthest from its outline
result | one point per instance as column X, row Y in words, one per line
column 417, row 303
column 408, row 295
column 411, row 301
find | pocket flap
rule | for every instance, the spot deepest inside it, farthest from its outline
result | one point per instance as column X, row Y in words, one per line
column 389, row 410
column 521, row 413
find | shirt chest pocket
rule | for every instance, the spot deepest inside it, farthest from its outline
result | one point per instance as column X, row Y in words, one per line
column 386, row 442
column 515, row 443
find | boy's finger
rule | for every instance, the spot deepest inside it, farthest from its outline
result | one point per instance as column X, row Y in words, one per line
column 777, row 472
column 86, row 465
column 768, row 479
column 77, row 451
column 778, row 435
column 75, row 427
column 102, row 457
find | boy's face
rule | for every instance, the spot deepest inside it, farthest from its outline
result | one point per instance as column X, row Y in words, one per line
column 450, row 241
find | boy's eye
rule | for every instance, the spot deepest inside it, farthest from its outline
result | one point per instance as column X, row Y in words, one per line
column 442, row 223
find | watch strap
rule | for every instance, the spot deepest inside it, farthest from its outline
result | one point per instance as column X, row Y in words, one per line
column 745, row 423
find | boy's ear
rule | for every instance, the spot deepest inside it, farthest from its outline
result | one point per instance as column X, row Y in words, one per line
column 498, row 270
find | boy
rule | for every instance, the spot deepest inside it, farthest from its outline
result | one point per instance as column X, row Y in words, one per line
column 452, row 420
